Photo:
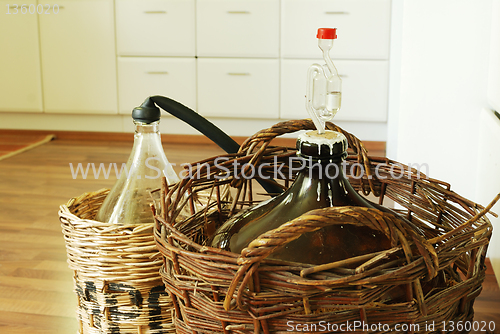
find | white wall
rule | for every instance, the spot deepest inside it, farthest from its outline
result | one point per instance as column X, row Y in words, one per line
column 488, row 179
column 440, row 64
column 494, row 75
column 439, row 77
column 488, row 183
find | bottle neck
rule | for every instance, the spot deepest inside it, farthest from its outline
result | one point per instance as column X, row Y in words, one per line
column 317, row 167
column 326, row 180
column 147, row 134
column 147, row 128
column 147, row 150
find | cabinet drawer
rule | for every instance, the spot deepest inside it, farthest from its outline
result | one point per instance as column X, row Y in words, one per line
column 237, row 28
column 244, row 88
column 139, row 78
column 155, row 27
column 364, row 89
column 363, row 28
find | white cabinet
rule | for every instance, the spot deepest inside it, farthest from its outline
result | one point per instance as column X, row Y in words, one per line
column 238, row 58
column 78, row 57
column 140, row 77
column 363, row 28
column 238, row 88
column 249, row 58
column 364, row 89
column 237, row 28
column 233, row 59
column 155, row 27
column 20, row 80
column 361, row 55
column 234, row 72
column 156, row 51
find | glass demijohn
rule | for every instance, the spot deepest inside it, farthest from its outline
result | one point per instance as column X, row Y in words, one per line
column 319, row 184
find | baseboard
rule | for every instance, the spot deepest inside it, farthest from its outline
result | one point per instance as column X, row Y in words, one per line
column 372, row 146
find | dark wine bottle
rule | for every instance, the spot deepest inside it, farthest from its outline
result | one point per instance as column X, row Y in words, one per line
column 320, row 183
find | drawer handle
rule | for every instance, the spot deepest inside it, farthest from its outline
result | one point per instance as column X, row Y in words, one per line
column 155, row 12
column 238, row 12
column 238, row 73
column 336, row 13
column 157, row 72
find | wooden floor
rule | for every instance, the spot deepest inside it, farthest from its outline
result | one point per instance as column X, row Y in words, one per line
column 35, row 283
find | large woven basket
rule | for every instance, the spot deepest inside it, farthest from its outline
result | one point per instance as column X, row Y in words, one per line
column 116, row 278
column 427, row 280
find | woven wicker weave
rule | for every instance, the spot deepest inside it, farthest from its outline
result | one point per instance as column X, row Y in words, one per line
column 116, row 275
column 432, row 273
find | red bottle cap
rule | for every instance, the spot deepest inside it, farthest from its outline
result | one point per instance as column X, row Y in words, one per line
column 327, row 33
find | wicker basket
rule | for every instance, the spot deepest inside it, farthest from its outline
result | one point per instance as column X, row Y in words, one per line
column 116, row 277
column 429, row 277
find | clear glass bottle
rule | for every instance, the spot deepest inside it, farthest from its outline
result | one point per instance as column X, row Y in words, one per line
column 129, row 200
column 320, row 183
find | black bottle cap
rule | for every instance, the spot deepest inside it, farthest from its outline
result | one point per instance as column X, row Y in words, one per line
column 332, row 145
column 147, row 113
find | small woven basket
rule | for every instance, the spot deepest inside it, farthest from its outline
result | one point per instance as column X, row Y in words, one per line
column 116, row 277
column 430, row 276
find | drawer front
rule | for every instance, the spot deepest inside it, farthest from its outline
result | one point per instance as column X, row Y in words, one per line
column 241, row 88
column 155, row 27
column 139, row 78
column 363, row 28
column 364, row 89
column 237, row 28
column 20, row 78
column 78, row 57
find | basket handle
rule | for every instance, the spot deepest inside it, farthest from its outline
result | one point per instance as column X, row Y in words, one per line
column 265, row 136
column 268, row 242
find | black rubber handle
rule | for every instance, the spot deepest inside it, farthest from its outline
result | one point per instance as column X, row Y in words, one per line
column 198, row 122
column 207, row 128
